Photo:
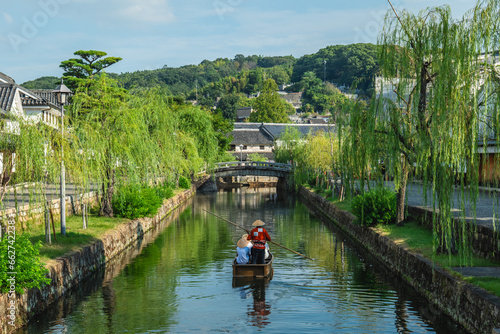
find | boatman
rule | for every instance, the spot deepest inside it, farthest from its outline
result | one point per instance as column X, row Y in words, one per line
column 259, row 237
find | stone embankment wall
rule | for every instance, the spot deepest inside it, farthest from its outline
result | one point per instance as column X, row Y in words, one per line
column 69, row 271
column 472, row 307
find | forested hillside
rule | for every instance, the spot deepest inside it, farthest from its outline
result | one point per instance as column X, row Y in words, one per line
column 345, row 64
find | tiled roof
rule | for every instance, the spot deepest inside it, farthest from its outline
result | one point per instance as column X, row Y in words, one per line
column 250, row 137
column 40, row 97
column 6, row 79
column 47, row 95
column 247, row 125
column 274, row 130
column 28, row 98
column 7, row 96
column 244, row 112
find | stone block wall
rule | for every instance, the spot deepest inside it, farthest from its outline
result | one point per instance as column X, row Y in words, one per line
column 472, row 307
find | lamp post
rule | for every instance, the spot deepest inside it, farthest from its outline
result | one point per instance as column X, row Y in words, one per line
column 62, row 93
column 241, row 160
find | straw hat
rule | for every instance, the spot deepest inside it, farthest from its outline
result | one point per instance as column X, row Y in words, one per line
column 258, row 222
column 242, row 243
column 244, row 236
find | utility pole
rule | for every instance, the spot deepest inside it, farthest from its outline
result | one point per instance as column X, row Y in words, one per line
column 324, row 71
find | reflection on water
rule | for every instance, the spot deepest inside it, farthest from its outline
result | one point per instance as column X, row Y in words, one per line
column 259, row 310
column 179, row 280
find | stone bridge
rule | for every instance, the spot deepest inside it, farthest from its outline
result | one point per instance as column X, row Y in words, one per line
column 256, row 168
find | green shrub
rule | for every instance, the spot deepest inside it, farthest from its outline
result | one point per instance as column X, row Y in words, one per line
column 377, row 206
column 135, row 201
column 22, row 257
column 256, row 157
column 164, row 190
column 184, row 183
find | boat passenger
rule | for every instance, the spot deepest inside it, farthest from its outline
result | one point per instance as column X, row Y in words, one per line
column 243, row 250
column 259, row 236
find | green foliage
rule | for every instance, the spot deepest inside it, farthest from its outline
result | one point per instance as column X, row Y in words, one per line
column 198, row 124
column 164, row 190
column 445, row 99
column 90, row 63
column 377, row 206
column 228, row 105
column 269, row 107
column 222, row 127
column 256, row 157
column 48, row 82
column 319, row 97
column 184, row 183
column 24, row 261
column 134, row 201
column 354, row 64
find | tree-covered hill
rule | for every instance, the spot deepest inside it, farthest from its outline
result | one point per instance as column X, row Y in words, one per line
column 49, row 82
column 345, row 64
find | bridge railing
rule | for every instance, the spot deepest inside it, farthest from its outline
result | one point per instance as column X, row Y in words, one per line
column 253, row 164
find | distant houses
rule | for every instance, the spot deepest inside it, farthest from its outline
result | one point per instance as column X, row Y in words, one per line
column 261, row 138
column 243, row 114
column 295, row 99
column 18, row 103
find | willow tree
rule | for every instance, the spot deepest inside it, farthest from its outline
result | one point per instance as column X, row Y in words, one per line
column 114, row 138
column 430, row 127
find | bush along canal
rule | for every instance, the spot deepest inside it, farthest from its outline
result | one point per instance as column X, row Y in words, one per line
column 182, row 282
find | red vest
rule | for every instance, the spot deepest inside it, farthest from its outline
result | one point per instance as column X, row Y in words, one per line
column 259, row 236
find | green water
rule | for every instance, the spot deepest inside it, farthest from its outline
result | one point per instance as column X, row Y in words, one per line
column 182, row 281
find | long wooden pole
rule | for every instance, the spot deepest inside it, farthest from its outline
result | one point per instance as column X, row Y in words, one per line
column 274, row 243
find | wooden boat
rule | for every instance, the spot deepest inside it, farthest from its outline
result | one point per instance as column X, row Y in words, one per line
column 254, row 270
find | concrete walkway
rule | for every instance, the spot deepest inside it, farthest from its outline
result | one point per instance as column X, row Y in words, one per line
column 487, row 214
column 487, row 205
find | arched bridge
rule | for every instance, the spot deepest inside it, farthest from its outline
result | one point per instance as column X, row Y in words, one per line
column 257, row 168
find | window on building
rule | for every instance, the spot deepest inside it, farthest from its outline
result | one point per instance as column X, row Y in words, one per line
column 244, row 147
column 233, row 147
column 261, row 147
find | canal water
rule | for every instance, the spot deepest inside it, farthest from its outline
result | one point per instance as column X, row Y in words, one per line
column 181, row 282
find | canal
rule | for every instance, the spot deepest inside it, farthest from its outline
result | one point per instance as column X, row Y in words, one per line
column 181, row 282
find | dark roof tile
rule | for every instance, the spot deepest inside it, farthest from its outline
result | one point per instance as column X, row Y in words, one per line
column 7, row 96
column 250, row 137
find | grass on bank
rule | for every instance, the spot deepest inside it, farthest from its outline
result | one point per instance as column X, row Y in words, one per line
column 76, row 237
column 419, row 239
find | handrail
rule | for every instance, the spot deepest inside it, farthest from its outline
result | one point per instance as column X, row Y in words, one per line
column 254, row 164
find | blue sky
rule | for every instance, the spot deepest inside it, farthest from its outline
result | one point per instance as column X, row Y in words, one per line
column 36, row 35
